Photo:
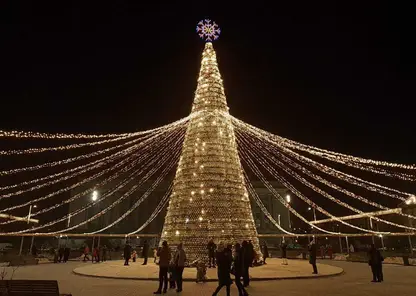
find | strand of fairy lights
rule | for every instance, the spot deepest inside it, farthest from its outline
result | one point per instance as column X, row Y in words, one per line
column 23, row 134
column 144, row 196
column 124, row 196
column 329, row 184
column 85, row 168
column 261, row 205
column 289, row 186
column 323, row 168
column 304, row 147
column 156, row 212
column 284, row 142
column 60, row 148
column 69, row 160
column 331, row 171
column 108, row 193
column 130, row 165
column 276, row 194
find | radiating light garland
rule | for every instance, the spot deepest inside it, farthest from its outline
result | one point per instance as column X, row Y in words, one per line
column 23, row 134
column 323, row 181
column 60, row 148
column 261, row 205
column 150, row 173
column 69, row 160
column 331, row 171
column 143, row 197
column 348, row 162
column 85, row 168
column 276, row 194
column 296, row 192
column 123, row 197
column 156, row 212
column 105, row 181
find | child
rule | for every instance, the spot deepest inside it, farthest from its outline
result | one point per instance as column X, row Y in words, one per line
column 171, row 272
column 134, row 256
column 201, row 272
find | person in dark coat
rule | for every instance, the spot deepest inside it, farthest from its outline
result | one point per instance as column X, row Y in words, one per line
column 104, row 256
column 67, row 251
column 248, row 258
column 127, row 254
column 265, row 252
column 164, row 261
column 251, row 252
column 239, row 269
column 145, row 252
column 212, row 247
column 34, row 251
column 283, row 248
column 312, row 256
column 224, row 260
column 375, row 261
column 61, row 254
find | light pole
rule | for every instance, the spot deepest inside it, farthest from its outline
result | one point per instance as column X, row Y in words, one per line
column 28, row 221
column 94, row 198
column 288, row 199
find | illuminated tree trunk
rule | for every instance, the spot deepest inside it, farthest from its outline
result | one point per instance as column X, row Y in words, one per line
column 209, row 197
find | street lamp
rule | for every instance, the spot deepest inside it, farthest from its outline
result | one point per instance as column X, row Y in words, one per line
column 94, row 195
column 288, row 210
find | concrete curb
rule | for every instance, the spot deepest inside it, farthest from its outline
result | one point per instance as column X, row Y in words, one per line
column 215, row 280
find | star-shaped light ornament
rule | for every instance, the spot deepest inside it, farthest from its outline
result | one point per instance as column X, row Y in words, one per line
column 208, row 30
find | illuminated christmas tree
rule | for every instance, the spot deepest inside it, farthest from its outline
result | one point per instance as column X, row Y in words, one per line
column 209, row 197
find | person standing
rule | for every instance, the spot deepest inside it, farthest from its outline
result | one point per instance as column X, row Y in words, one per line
column 67, row 251
column 283, row 248
column 86, row 252
column 239, row 269
column 104, row 257
column 145, row 252
column 127, row 254
column 247, row 263
column 179, row 259
column 251, row 252
column 211, row 253
column 265, row 252
column 312, row 256
column 375, row 261
column 224, row 261
column 164, row 259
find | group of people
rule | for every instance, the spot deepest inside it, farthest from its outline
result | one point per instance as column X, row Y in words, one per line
column 99, row 254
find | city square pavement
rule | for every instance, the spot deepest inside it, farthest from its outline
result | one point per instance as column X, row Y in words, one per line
column 272, row 270
column 355, row 281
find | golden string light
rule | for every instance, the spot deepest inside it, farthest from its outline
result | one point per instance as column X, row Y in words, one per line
column 153, row 170
column 290, row 172
column 29, row 134
column 345, row 161
column 130, row 165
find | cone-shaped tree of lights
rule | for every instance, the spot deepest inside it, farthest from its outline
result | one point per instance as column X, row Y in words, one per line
column 209, row 197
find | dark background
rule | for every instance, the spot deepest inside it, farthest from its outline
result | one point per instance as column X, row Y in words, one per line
column 338, row 77
column 334, row 76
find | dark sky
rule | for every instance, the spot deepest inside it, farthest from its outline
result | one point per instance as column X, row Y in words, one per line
column 337, row 77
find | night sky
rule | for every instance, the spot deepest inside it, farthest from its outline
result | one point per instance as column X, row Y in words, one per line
column 340, row 78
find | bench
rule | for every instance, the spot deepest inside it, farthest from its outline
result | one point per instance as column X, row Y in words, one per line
column 29, row 288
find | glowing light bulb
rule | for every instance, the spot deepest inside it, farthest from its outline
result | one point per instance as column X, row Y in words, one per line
column 211, row 190
column 202, row 212
column 203, row 143
column 191, row 199
column 177, row 232
column 202, row 191
column 166, row 232
column 222, row 231
column 201, row 166
column 194, row 174
column 192, row 192
column 202, row 185
column 186, row 220
column 246, row 225
column 200, row 218
column 196, row 161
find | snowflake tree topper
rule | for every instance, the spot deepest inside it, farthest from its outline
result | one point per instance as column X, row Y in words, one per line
column 208, row 30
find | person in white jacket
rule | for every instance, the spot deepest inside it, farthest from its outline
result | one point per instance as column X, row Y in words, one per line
column 179, row 260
